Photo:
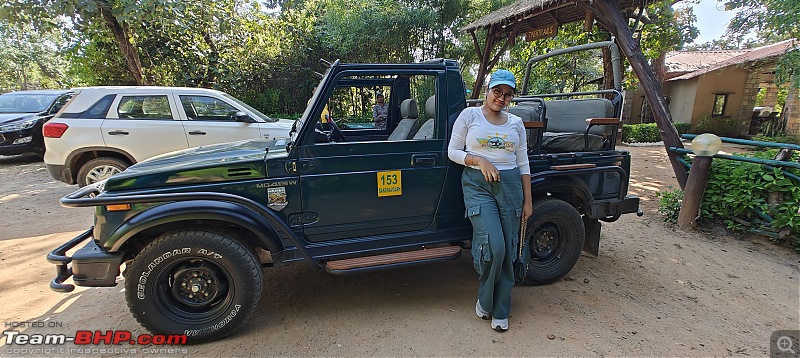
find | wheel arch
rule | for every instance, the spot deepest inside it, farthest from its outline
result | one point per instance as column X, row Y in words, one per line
column 79, row 157
column 567, row 188
column 250, row 227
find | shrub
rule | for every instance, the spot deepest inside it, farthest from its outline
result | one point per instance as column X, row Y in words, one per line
column 721, row 126
column 737, row 195
column 776, row 139
column 669, row 204
column 648, row 132
column 636, row 133
column 682, row 127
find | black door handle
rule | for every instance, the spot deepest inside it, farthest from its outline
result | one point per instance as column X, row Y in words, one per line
column 197, row 133
column 118, row 133
column 423, row 161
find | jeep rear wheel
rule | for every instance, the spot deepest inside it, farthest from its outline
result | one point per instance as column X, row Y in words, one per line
column 199, row 283
column 99, row 169
column 555, row 236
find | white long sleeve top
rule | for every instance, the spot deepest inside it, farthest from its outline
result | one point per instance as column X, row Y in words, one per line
column 505, row 145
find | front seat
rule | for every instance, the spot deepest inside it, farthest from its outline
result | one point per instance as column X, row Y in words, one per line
column 426, row 131
column 410, row 113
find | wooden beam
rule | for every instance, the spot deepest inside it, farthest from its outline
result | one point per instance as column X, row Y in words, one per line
column 588, row 21
column 483, row 67
column 610, row 16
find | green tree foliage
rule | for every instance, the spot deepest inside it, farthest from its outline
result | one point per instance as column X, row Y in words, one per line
column 29, row 59
column 266, row 52
column 771, row 21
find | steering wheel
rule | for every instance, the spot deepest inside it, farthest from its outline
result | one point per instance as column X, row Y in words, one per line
column 336, row 133
column 329, row 132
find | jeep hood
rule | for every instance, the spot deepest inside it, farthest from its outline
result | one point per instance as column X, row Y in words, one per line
column 206, row 164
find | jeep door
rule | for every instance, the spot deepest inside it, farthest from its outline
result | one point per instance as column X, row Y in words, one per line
column 212, row 120
column 143, row 125
column 370, row 187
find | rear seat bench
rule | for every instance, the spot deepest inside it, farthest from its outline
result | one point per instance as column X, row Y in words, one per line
column 571, row 125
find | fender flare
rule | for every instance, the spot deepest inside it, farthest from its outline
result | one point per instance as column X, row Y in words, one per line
column 171, row 212
column 557, row 184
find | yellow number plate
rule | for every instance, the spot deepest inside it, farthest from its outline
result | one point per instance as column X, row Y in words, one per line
column 389, row 183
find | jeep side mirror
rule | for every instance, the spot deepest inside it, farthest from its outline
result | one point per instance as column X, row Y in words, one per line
column 242, row 117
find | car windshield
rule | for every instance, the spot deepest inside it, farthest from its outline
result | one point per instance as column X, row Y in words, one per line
column 25, row 103
column 251, row 109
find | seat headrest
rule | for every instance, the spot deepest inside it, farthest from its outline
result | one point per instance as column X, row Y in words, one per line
column 430, row 107
column 408, row 108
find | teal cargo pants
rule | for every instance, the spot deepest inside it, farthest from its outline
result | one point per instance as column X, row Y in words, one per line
column 494, row 208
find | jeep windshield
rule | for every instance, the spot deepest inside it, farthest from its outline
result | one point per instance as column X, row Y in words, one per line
column 25, row 103
column 301, row 122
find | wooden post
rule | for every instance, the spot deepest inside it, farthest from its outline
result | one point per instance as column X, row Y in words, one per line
column 483, row 58
column 693, row 195
column 610, row 16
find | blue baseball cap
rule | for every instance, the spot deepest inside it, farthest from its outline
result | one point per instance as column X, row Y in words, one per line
column 502, row 77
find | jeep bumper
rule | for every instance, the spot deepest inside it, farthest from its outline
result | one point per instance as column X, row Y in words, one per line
column 611, row 210
column 91, row 265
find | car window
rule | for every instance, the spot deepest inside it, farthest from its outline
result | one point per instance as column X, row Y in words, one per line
column 263, row 116
column 60, row 102
column 381, row 108
column 144, row 107
column 202, row 108
column 100, row 108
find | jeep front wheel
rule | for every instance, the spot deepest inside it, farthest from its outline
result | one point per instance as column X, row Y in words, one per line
column 555, row 236
column 199, row 283
column 99, row 169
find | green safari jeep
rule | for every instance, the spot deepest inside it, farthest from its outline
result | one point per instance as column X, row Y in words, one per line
column 195, row 228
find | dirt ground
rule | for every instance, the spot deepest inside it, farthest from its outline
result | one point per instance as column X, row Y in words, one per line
column 653, row 291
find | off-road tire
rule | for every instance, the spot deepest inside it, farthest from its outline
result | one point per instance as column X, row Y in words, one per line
column 554, row 237
column 222, row 277
column 98, row 169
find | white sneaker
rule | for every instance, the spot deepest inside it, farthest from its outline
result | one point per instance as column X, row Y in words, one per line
column 499, row 324
column 480, row 312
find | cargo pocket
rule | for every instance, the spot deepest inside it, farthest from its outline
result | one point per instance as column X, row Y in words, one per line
column 480, row 237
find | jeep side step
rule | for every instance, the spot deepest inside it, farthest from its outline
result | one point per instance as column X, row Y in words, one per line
column 407, row 258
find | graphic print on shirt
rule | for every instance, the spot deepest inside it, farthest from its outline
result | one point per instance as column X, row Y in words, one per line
column 497, row 141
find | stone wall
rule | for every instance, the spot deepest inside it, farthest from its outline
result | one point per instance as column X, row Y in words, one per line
column 792, row 112
column 745, row 115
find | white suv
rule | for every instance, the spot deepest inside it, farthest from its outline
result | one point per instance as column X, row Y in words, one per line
column 103, row 130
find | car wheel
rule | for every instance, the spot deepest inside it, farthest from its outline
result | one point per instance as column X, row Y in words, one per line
column 99, row 169
column 555, row 236
column 199, row 283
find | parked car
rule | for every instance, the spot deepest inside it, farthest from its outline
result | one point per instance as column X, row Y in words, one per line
column 104, row 130
column 22, row 115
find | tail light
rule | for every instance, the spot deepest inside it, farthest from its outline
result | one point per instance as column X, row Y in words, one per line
column 54, row 129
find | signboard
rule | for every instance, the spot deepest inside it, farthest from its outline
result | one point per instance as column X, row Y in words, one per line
column 542, row 33
column 390, row 183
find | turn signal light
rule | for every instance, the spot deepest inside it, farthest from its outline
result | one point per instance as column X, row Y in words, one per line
column 54, row 129
column 118, row 207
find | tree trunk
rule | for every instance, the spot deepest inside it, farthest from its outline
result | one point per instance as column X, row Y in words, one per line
column 610, row 16
column 213, row 60
column 129, row 52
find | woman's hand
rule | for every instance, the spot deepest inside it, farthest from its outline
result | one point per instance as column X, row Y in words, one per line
column 488, row 169
column 527, row 209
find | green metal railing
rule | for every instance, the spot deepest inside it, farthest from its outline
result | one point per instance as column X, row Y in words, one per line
column 768, row 164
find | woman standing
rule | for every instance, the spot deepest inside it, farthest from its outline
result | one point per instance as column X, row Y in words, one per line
column 491, row 144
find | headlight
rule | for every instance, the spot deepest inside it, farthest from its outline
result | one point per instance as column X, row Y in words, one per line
column 18, row 126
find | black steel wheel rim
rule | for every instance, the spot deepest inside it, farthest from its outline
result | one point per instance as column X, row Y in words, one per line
column 546, row 243
column 193, row 290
